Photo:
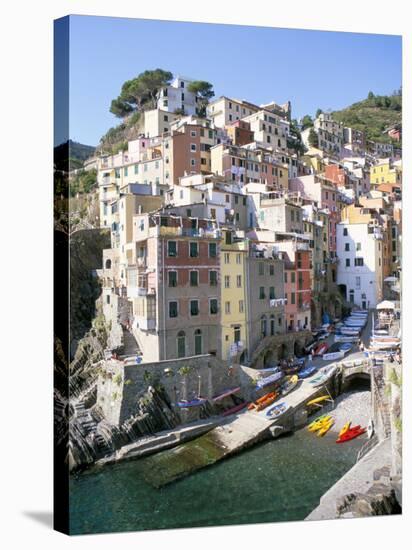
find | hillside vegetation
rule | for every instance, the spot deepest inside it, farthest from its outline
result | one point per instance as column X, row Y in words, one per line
column 373, row 115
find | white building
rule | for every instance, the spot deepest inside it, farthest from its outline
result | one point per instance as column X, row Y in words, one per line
column 176, row 96
column 359, row 247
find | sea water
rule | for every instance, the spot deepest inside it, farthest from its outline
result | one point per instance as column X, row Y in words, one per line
column 279, row 480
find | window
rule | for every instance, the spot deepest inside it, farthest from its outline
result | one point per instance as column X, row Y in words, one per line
column 358, row 282
column 261, row 293
column 358, row 262
column 136, row 168
column 212, row 250
column 238, row 281
column 192, row 162
column 193, row 250
column 108, row 299
column 172, row 309
column 213, row 278
column 126, row 172
column 172, row 278
column 227, row 257
column 213, row 307
column 238, row 258
column 345, row 231
column 227, row 308
column 117, row 173
column 286, row 277
column 172, row 248
column 241, row 306
column 261, row 268
column 193, row 147
column 166, row 118
column 351, row 296
column 194, row 308
column 293, row 277
column 347, row 262
column 193, row 133
column 347, row 247
column 194, row 278
column 227, row 281
column 358, row 246
column 272, row 293
column 198, row 342
column 292, row 298
column 181, row 344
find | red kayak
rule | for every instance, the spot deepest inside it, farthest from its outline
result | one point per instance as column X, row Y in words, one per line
column 351, row 434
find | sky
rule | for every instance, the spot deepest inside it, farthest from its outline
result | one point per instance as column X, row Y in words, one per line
column 312, row 69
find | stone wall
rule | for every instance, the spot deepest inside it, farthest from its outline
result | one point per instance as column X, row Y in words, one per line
column 120, row 386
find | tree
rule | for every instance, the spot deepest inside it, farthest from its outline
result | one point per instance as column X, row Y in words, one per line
column 140, row 93
column 204, row 92
column 313, row 138
column 306, row 122
column 318, row 112
column 371, row 95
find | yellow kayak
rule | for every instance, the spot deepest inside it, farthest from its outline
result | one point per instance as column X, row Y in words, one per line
column 318, row 400
column 319, row 423
column 326, row 427
column 345, row 428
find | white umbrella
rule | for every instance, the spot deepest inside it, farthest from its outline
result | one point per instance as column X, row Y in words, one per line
column 386, row 304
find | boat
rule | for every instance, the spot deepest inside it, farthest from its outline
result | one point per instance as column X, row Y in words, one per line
column 345, row 347
column 350, row 434
column 317, row 423
column 196, row 402
column 307, row 371
column 263, row 402
column 289, row 385
column 345, row 428
column 235, row 409
column 326, row 427
column 276, row 410
column 225, row 393
column 345, row 338
column 318, row 400
column 321, row 349
column 370, row 429
column 272, row 379
column 324, row 374
column 331, row 356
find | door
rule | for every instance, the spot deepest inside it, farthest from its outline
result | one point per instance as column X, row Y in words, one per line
column 198, row 342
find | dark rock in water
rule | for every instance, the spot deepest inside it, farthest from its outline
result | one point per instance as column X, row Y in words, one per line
column 396, row 483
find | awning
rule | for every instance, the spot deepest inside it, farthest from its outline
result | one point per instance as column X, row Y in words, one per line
column 386, row 304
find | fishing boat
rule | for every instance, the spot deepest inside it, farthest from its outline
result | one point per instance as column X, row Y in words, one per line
column 349, row 331
column 326, row 427
column 225, row 393
column 350, row 434
column 235, row 409
column 318, row 400
column 345, row 347
column 324, row 375
column 196, row 402
column 345, row 428
column 345, row 338
column 289, row 385
column 321, row 349
column 263, row 402
column 307, row 371
column 276, row 410
column 272, row 379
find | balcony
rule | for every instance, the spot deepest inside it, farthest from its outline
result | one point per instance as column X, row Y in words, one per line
column 277, row 302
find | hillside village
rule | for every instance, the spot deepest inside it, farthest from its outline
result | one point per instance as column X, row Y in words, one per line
column 226, row 240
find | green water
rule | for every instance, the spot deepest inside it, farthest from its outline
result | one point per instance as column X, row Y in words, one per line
column 280, row 480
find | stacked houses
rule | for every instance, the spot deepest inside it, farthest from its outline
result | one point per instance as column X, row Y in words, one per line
column 224, row 239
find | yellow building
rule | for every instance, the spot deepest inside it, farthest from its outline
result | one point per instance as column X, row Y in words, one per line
column 233, row 296
column 386, row 172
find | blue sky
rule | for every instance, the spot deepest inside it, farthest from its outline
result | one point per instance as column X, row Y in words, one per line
column 310, row 68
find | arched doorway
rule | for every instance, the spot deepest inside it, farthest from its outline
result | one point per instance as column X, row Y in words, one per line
column 181, row 344
column 268, row 358
column 283, row 351
column 198, row 342
column 263, row 326
column 243, row 357
column 297, row 348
